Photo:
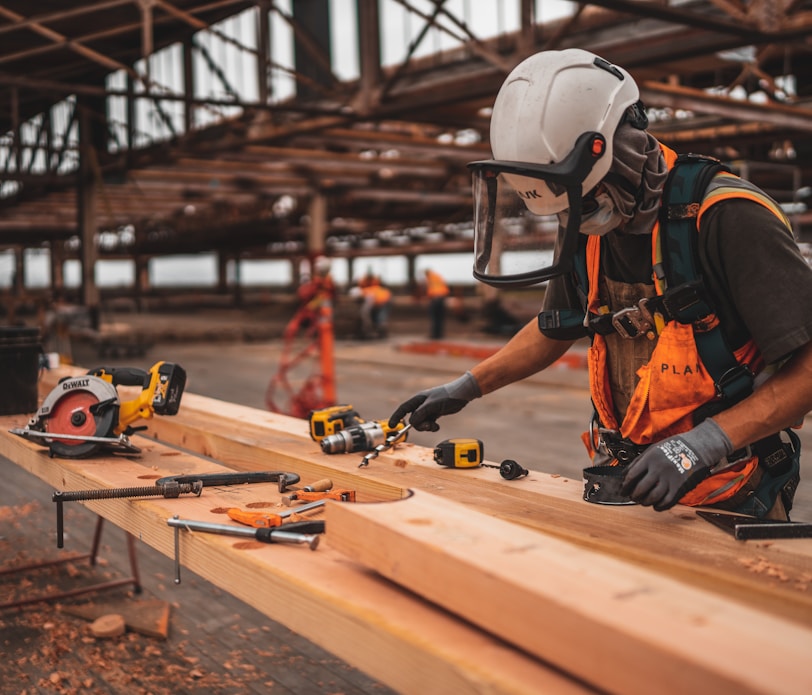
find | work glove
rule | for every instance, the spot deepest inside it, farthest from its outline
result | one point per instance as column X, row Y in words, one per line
column 430, row 404
column 664, row 472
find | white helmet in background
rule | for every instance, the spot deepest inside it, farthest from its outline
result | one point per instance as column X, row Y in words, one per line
column 321, row 266
column 545, row 104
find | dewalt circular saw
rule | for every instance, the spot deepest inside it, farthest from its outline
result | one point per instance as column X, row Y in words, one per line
column 84, row 414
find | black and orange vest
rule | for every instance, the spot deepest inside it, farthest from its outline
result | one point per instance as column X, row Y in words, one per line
column 690, row 366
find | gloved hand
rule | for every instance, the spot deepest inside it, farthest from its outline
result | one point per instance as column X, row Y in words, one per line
column 430, row 404
column 664, row 472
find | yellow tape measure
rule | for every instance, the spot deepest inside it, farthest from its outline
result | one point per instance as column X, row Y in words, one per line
column 459, row 453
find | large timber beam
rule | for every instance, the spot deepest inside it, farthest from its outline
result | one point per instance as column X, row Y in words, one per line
column 678, row 97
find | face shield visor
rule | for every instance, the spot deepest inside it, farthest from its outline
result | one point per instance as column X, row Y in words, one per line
column 518, row 240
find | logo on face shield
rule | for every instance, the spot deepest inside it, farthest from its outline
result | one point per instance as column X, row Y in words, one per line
column 532, row 194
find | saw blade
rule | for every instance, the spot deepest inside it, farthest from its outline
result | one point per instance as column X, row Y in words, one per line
column 80, row 411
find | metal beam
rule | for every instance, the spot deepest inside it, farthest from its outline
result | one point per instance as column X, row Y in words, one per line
column 702, row 20
column 678, row 97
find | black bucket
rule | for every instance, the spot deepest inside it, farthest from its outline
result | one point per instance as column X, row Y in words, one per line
column 20, row 352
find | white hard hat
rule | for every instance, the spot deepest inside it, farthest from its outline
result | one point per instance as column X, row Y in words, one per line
column 545, row 104
column 321, row 265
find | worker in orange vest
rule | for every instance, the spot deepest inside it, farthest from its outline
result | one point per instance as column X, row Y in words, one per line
column 685, row 278
column 376, row 302
column 436, row 291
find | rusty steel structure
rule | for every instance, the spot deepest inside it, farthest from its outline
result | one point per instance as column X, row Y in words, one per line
column 103, row 156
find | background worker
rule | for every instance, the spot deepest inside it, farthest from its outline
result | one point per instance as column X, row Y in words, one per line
column 681, row 432
column 316, row 293
column 381, row 306
column 318, row 285
column 437, row 291
column 375, row 299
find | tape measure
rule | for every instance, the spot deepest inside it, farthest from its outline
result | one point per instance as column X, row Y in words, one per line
column 459, row 453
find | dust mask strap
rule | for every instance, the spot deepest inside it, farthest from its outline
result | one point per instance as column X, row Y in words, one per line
column 602, row 217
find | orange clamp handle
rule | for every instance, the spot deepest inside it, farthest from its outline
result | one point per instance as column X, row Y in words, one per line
column 255, row 519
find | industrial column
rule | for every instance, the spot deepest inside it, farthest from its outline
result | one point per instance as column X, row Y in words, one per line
column 92, row 139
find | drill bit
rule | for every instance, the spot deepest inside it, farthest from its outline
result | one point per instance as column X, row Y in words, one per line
column 391, row 440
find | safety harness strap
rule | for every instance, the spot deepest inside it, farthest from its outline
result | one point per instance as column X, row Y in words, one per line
column 684, row 298
column 684, row 189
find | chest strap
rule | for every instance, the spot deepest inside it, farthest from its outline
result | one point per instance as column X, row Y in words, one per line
column 649, row 315
column 631, row 322
column 683, row 300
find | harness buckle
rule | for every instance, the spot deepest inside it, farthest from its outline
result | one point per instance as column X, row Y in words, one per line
column 730, row 377
column 685, row 303
column 610, row 443
column 634, row 321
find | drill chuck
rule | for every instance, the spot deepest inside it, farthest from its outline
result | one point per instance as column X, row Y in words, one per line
column 363, row 437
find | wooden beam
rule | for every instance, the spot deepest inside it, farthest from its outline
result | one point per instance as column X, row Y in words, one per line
column 668, row 587
column 676, row 543
column 60, row 40
column 613, row 625
column 268, row 160
column 369, row 56
column 22, row 23
column 676, row 96
column 369, row 622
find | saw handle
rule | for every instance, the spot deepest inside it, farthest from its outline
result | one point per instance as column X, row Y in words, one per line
column 123, row 376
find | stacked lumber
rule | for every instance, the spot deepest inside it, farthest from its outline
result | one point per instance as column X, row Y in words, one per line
column 445, row 580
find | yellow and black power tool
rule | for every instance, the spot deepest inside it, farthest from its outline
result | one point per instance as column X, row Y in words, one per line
column 339, row 429
column 328, row 421
column 85, row 413
column 363, row 437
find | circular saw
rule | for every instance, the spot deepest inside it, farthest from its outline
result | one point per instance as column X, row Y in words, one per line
column 84, row 414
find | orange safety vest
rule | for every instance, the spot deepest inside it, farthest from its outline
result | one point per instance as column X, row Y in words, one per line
column 674, row 382
column 378, row 293
column 435, row 285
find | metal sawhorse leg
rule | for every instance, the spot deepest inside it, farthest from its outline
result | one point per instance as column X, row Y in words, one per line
column 91, row 556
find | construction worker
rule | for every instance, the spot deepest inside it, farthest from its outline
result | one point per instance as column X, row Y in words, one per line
column 436, row 291
column 316, row 296
column 375, row 301
column 318, row 285
column 685, row 278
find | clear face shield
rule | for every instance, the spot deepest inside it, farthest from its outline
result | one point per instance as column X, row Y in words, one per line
column 518, row 239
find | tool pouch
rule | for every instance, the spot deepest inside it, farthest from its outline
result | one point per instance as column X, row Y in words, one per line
column 602, row 485
column 780, row 476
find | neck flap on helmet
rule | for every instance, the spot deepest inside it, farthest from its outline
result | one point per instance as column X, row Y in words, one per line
column 516, row 242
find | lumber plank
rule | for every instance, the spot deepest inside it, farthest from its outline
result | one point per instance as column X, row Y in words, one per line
column 571, row 606
column 391, row 634
column 776, row 575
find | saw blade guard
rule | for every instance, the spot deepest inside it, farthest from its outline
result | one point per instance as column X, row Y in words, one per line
column 83, row 406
